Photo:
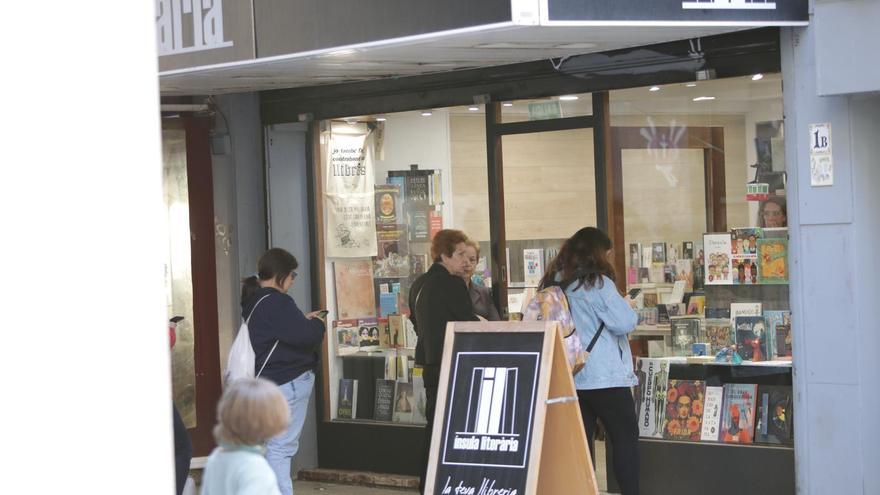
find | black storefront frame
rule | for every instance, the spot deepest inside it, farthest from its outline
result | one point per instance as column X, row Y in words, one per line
column 390, row 449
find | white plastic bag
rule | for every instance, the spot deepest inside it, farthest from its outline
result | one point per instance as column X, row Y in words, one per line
column 240, row 363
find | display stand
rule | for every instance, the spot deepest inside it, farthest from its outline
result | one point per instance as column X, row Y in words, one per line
column 507, row 419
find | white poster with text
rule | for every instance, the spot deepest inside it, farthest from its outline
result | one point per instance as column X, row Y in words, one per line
column 348, row 193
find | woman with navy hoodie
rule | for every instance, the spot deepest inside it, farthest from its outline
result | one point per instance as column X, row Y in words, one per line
column 284, row 341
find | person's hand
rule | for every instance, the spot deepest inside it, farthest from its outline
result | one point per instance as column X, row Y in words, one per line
column 481, row 318
column 314, row 314
column 630, row 301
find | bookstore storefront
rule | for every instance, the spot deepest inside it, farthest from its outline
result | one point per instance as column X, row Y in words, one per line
column 679, row 158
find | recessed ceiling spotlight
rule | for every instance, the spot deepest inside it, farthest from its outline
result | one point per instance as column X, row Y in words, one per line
column 427, row 114
column 757, row 77
column 473, row 109
column 568, row 97
column 507, row 104
column 381, row 119
column 654, row 88
column 704, row 98
column 691, row 85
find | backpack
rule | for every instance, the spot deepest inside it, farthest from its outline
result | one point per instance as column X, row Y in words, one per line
column 241, row 361
column 551, row 304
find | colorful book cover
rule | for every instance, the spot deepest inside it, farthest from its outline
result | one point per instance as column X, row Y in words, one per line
column 368, row 334
column 384, row 334
column 653, row 377
column 738, row 415
column 384, row 400
column 403, row 403
column 696, row 304
column 684, row 270
column 388, row 206
column 745, row 271
column 712, row 414
column 744, row 242
column 773, row 256
column 684, row 410
column 533, row 266
column 718, row 265
column 685, row 332
column 774, row 415
column 347, row 332
column 435, row 223
column 346, row 404
column 632, row 275
column 388, row 304
column 392, row 258
column 718, row 334
column 658, row 252
column 751, row 338
column 355, row 296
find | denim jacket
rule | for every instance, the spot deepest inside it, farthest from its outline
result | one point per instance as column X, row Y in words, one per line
column 610, row 363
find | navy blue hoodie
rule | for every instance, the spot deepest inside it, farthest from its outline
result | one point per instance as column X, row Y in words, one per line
column 278, row 318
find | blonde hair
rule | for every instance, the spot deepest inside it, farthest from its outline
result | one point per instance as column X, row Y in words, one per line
column 251, row 412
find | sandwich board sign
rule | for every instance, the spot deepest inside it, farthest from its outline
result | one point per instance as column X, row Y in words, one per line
column 507, row 420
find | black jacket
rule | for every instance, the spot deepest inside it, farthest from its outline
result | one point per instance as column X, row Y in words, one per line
column 278, row 318
column 436, row 298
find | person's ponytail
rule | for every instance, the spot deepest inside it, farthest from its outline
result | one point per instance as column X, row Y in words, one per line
column 249, row 286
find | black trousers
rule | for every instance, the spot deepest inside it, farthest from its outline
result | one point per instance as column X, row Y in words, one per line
column 616, row 409
column 182, row 451
column 431, row 376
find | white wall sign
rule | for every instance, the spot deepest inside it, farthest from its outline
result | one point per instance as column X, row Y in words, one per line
column 821, row 162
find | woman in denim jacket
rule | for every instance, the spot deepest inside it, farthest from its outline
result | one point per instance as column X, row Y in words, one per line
column 583, row 270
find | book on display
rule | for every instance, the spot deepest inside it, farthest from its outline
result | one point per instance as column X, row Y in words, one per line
column 653, row 377
column 346, row 406
column 774, row 415
column 712, row 414
column 684, row 410
column 738, row 414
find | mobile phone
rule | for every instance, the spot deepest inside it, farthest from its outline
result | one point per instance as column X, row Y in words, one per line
column 322, row 314
column 633, row 293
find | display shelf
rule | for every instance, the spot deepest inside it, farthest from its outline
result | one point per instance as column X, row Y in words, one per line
column 720, row 444
column 651, row 331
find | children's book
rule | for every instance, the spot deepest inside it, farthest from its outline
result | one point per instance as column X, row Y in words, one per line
column 684, row 410
column 712, row 414
column 718, row 265
column 346, row 404
column 368, row 334
column 774, row 415
column 773, row 261
column 745, row 242
column 738, row 414
column 653, row 377
column 744, row 309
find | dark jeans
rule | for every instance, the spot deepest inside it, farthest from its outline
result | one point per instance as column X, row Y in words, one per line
column 182, row 451
column 616, row 409
column 431, row 376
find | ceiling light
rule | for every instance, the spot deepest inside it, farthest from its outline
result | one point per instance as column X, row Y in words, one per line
column 568, row 97
column 654, row 88
column 507, row 104
column 426, row 114
column 473, row 109
column 704, row 98
column 338, row 53
column 691, row 85
column 757, row 77
column 380, row 119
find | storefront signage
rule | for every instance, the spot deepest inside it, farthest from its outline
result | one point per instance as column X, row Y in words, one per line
column 757, row 12
column 497, row 419
column 757, row 192
column 349, row 197
column 821, row 162
column 545, row 110
column 202, row 32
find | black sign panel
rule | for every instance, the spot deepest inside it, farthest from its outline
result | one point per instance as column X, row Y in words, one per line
column 769, row 12
column 489, row 413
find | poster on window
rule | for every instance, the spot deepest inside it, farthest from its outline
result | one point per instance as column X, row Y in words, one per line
column 348, row 193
